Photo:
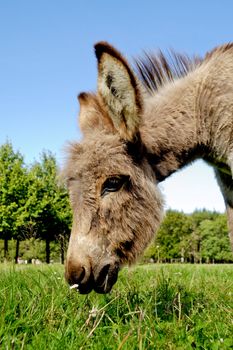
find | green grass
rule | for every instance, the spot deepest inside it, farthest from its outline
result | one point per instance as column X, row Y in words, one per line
column 150, row 307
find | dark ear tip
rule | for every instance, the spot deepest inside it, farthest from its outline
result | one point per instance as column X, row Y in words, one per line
column 82, row 97
column 104, row 47
column 100, row 48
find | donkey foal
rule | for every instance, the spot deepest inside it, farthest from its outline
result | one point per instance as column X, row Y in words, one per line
column 137, row 131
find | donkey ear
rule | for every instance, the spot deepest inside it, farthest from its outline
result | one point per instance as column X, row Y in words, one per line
column 91, row 115
column 119, row 91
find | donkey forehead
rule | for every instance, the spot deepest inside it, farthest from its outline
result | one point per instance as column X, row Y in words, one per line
column 99, row 155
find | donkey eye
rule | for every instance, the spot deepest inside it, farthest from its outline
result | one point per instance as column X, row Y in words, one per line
column 114, row 184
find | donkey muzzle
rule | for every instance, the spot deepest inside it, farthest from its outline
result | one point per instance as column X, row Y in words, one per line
column 84, row 278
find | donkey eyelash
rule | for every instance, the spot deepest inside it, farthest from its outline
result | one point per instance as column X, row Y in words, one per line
column 114, row 184
column 70, row 179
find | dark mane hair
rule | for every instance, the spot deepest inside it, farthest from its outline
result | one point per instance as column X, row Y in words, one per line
column 156, row 69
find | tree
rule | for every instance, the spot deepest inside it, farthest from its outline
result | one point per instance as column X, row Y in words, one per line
column 13, row 194
column 48, row 203
column 193, row 241
column 63, row 217
column 171, row 236
column 215, row 245
column 200, row 236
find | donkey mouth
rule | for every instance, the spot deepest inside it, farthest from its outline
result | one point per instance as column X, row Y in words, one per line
column 102, row 282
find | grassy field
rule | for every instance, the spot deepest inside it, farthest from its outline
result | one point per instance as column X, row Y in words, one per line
column 150, row 307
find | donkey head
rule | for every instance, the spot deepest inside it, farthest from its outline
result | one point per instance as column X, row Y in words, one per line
column 116, row 206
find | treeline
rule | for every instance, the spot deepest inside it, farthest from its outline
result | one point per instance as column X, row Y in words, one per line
column 200, row 237
column 34, row 205
column 35, row 219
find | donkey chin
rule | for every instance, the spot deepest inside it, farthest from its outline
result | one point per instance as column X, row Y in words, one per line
column 86, row 278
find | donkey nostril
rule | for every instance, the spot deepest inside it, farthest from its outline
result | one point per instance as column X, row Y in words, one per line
column 102, row 274
column 75, row 274
column 78, row 276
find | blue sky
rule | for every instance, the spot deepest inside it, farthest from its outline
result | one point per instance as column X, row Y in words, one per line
column 46, row 59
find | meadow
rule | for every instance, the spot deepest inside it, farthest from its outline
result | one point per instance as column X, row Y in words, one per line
column 151, row 307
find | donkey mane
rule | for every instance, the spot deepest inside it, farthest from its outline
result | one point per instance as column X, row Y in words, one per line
column 156, row 69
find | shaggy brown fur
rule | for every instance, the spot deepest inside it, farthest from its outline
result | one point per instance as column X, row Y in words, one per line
column 134, row 136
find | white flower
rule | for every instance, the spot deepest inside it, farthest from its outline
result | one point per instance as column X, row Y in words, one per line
column 74, row 286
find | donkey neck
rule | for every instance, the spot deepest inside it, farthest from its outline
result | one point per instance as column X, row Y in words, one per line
column 171, row 130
